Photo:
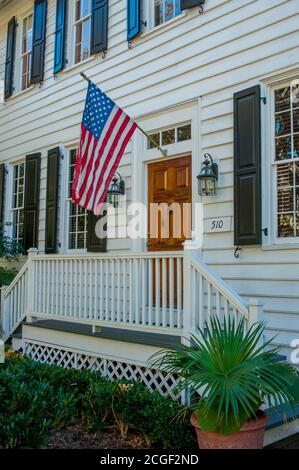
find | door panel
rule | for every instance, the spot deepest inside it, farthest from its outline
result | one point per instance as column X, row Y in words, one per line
column 169, row 212
column 169, row 185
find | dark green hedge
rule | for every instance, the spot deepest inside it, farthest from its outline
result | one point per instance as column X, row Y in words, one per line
column 36, row 400
column 7, row 275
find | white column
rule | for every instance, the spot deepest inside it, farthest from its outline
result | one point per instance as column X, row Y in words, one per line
column 4, row 324
column 190, row 248
column 32, row 252
column 256, row 315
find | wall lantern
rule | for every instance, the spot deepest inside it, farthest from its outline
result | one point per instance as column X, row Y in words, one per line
column 116, row 189
column 207, row 177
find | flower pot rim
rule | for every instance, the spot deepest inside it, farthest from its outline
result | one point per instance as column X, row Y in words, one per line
column 250, row 424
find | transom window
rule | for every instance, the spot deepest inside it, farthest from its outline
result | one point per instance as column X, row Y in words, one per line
column 287, row 159
column 26, row 51
column 18, row 202
column 82, row 27
column 171, row 136
column 166, row 10
column 77, row 215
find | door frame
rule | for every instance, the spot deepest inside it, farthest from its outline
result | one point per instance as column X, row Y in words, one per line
column 141, row 157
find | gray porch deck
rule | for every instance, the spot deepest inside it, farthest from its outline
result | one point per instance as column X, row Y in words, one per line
column 138, row 337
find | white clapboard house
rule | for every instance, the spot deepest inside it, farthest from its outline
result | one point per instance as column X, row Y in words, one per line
column 199, row 76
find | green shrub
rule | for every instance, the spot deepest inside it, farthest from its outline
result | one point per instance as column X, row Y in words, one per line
column 7, row 275
column 31, row 409
column 36, row 399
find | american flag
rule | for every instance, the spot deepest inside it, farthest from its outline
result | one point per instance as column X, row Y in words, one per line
column 105, row 133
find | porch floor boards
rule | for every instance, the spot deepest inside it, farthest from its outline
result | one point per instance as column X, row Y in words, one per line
column 139, row 337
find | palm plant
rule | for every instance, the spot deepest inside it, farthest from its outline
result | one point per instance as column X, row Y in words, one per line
column 229, row 375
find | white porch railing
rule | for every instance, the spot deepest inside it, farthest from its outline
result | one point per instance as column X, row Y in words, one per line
column 14, row 302
column 164, row 292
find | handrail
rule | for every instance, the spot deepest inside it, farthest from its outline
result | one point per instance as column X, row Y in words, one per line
column 110, row 256
column 231, row 295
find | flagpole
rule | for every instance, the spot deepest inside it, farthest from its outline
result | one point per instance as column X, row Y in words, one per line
column 163, row 151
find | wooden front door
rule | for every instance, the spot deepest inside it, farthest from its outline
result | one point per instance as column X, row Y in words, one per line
column 169, row 209
column 169, row 218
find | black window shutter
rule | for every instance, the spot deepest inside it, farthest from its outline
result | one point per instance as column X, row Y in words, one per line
column 38, row 41
column 99, row 26
column 2, row 175
column 10, row 54
column 94, row 243
column 60, row 28
column 52, row 200
column 133, row 19
column 247, row 167
column 186, row 4
column 31, row 202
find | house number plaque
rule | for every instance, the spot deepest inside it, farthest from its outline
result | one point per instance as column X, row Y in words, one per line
column 218, row 224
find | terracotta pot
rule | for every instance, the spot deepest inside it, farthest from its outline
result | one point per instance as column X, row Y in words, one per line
column 250, row 436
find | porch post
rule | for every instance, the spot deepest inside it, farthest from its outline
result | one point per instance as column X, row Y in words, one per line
column 256, row 315
column 32, row 252
column 4, row 325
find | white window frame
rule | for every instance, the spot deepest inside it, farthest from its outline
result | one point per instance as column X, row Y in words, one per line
column 269, row 180
column 12, row 209
column 149, row 16
column 65, row 219
column 18, row 54
column 71, row 47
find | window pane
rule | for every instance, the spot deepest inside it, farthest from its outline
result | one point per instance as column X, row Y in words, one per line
column 85, row 40
column 184, row 133
column 168, row 137
column 169, row 10
column 282, row 99
column 285, row 175
column 296, row 120
column 286, row 225
column 284, row 148
column 285, row 200
column 296, row 146
column 295, row 96
column 282, row 124
column 82, row 9
column 156, row 138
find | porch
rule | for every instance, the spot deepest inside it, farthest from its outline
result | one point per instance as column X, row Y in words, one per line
column 160, row 293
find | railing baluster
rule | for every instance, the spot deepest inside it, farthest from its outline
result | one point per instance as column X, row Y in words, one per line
column 96, row 290
column 157, row 291
column 119, row 287
column 143, row 262
column 107, row 267
column 101, row 281
column 124, row 300
column 150, row 291
column 131, row 292
column 164, row 292
column 179, row 292
column 171, row 293
column 112, row 291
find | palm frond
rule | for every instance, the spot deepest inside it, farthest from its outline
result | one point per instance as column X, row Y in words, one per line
column 232, row 373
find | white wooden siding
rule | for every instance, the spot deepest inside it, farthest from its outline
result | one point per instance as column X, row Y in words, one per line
column 233, row 45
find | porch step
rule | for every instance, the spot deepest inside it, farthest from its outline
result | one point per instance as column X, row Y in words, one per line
column 138, row 337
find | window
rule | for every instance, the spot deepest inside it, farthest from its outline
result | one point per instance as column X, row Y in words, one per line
column 18, row 202
column 171, row 136
column 82, row 30
column 286, row 159
column 26, row 51
column 165, row 10
column 77, row 231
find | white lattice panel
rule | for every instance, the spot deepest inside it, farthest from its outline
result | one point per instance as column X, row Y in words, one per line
column 114, row 370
